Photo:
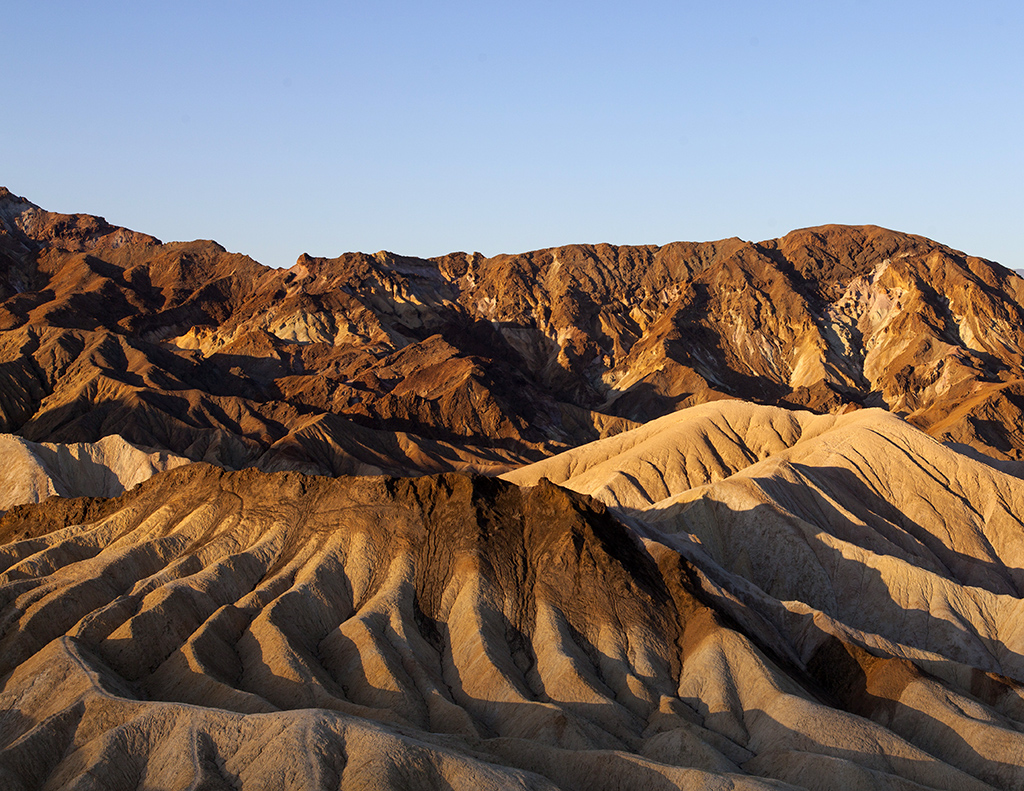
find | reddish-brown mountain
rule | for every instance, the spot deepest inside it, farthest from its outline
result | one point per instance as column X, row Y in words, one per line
column 464, row 362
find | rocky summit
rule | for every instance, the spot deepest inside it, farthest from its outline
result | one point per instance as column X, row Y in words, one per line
column 722, row 515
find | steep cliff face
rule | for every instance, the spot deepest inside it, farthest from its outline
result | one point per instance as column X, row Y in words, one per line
column 490, row 361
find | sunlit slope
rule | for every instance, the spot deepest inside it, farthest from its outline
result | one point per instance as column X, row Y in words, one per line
column 859, row 526
column 31, row 472
column 213, row 629
column 675, row 453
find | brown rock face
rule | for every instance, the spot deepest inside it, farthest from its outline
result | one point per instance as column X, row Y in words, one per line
column 482, row 363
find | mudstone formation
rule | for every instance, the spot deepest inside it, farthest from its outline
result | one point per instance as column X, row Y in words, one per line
column 721, row 515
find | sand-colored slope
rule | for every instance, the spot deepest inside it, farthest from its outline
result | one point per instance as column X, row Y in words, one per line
column 803, row 505
column 32, row 471
column 379, row 633
column 689, row 448
column 859, row 526
column 931, row 541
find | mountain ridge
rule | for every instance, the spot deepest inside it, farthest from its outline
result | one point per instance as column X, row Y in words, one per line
column 520, row 355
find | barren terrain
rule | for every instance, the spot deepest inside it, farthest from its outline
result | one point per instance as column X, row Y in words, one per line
column 723, row 515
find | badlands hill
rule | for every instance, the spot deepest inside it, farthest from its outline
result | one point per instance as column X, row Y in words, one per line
column 759, row 521
column 800, row 622
column 31, row 471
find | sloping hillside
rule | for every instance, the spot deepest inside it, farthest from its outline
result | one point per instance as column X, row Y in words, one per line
column 451, row 632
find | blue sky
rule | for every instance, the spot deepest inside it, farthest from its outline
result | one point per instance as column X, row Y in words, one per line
column 424, row 128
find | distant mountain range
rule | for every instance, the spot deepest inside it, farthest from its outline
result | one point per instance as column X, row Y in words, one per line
column 380, row 362
column 719, row 515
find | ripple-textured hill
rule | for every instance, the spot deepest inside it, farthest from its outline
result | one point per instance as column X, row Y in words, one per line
column 249, row 630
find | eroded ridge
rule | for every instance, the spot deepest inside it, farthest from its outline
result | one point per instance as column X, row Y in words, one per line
column 215, row 629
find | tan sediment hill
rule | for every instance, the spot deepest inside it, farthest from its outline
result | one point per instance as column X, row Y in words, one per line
column 811, row 508
column 859, row 525
column 31, row 471
column 218, row 629
column 676, row 453
column 506, row 359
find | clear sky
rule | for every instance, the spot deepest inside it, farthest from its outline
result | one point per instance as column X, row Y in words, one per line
column 427, row 127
